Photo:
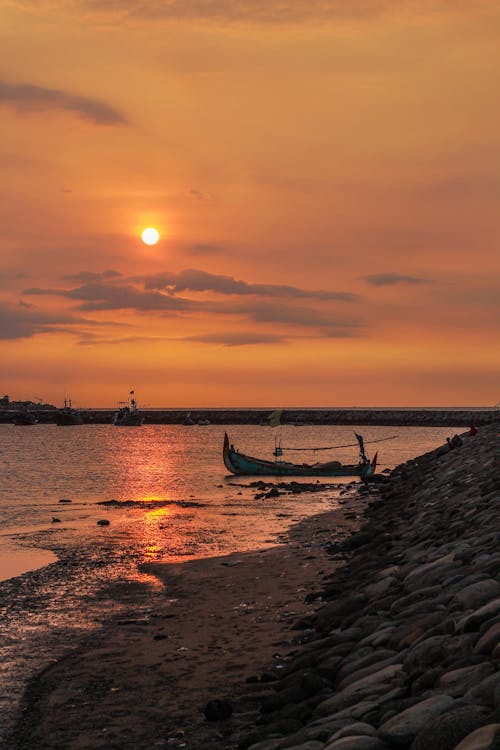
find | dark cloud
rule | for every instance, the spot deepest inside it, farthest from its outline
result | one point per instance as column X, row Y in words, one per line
column 94, row 297
column 27, row 97
column 238, row 338
column 24, row 322
column 195, row 280
column 390, row 279
column 85, row 277
column 264, row 312
column 199, row 195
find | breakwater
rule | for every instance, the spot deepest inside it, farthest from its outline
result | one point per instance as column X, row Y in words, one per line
column 407, row 417
column 403, row 649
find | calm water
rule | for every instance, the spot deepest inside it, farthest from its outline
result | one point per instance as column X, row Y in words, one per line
column 180, row 504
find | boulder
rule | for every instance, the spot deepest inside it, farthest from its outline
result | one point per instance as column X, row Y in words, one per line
column 477, row 594
column 448, row 729
column 484, row 692
column 359, row 728
column 486, row 738
column 425, row 653
column 458, row 681
column 404, row 727
column 489, row 640
column 473, row 620
column 357, row 743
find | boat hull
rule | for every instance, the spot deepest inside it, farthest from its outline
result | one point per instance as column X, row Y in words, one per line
column 242, row 465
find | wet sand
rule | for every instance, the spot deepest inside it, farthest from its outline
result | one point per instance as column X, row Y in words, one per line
column 144, row 680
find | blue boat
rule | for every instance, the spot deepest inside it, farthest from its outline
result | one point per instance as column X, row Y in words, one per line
column 242, row 465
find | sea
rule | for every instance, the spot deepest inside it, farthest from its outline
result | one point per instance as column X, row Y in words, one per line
column 166, row 495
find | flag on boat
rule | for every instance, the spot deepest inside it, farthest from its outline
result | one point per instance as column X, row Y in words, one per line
column 131, row 393
column 274, row 419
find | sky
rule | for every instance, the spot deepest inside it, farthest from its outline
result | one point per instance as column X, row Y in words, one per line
column 325, row 178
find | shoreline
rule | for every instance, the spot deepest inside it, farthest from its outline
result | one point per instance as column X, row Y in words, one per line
column 140, row 688
column 214, row 605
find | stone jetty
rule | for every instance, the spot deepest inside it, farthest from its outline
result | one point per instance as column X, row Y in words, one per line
column 298, row 417
column 403, row 647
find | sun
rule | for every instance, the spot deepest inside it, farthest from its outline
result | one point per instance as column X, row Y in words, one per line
column 150, row 236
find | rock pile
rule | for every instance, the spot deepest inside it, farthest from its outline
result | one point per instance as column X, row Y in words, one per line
column 404, row 651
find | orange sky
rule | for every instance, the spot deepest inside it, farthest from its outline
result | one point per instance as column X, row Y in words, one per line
column 325, row 178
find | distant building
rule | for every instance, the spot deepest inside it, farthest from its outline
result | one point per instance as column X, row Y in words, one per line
column 4, row 402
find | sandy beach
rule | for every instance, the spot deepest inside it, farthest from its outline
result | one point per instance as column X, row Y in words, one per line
column 374, row 626
column 144, row 681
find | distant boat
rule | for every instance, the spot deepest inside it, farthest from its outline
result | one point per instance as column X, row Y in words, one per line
column 129, row 415
column 188, row 420
column 67, row 416
column 239, row 463
column 25, row 419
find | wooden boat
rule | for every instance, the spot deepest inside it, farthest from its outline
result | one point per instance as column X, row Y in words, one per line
column 239, row 463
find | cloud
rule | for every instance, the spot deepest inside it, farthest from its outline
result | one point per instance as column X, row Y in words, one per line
column 85, row 277
column 237, row 338
column 267, row 11
column 24, row 322
column 390, row 279
column 26, row 97
column 199, row 195
column 201, row 281
column 264, row 312
column 94, row 297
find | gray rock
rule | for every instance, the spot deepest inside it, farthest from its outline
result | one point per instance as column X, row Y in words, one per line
column 410, row 599
column 377, row 683
column 448, row 729
column 403, row 728
column 458, row 681
column 268, row 744
column 367, row 671
column 430, row 573
column 359, row 728
column 474, row 619
column 477, row 594
column 366, row 657
column 357, row 743
column 486, row 738
column 425, row 653
column 484, row 692
column 380, row 587
column 489, row 640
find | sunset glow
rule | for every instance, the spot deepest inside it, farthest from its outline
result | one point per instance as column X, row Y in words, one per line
column 328, row 173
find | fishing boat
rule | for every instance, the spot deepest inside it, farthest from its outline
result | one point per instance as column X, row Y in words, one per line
column 67, row 416
column 128, row 415
column 239, row 463
column 25, row 419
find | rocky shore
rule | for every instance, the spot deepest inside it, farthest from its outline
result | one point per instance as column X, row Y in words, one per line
column 385, row 638
column 404, row 650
